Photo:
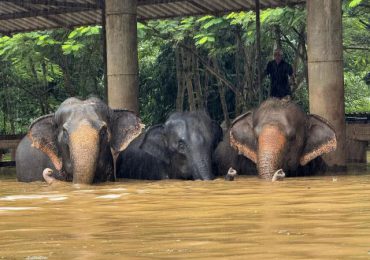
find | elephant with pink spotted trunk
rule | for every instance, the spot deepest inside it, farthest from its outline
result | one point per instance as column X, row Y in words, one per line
column 79, row 142
column 280, row 135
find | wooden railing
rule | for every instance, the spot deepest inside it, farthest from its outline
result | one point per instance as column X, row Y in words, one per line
column 9, row 143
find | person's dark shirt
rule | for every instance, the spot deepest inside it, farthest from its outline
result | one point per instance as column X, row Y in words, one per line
column 279, row 78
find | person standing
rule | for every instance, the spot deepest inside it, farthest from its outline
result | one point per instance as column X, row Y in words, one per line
column 279, row 70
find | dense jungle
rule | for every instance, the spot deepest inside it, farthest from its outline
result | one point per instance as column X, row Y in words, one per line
column 188, row 63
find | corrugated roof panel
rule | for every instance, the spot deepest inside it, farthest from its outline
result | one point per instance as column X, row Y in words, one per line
column 188, row 8
column 173, row 8
column 142, row 12
column 81, row 18
column 7, row 7
column 213, row 5
column 151, row 14
column 27, row 15
column 157, row 11
column 234, row 5
column 7, row 26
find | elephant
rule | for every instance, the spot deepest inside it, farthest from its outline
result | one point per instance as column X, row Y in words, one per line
column 280, row 135
column 226, row 157
column 181, row 148
column 80, row 142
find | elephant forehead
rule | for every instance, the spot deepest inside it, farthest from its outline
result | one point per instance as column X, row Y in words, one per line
column 289, row 121
column 191, row 131
column 79, row 124
column 177, row 128
column 263, row 118
column 84, row 135
column 196, row 137
column 78, row 111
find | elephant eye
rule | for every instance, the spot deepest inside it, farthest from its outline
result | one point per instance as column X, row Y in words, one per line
column 65, row 133
column 181, row 146
column 104, row 133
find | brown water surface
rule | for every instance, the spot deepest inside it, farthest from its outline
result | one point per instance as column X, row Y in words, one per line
column 326, row 217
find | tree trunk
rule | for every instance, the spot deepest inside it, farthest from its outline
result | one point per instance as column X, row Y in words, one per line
column 300, row 56
column 277, row 33
column 187, row 62
column 36, row 89
column 250, row 88
column 238, row 72
column 180, row 82
column 205, row 90
column 221, row 90
column 4, row 122
column 197, row 86
column 67, row 78
column 44, row 97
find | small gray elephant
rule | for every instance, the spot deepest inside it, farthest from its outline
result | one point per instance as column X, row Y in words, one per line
column 79, row 142
column 181, row 148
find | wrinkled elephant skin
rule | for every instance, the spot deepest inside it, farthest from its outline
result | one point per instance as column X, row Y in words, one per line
column 181, row 148
column 280, row 135
column 79, row 142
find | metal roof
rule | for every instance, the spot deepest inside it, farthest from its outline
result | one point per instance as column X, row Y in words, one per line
column 30, row 15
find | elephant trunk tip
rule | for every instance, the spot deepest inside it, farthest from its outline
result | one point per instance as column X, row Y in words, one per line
column 279, row 175
column 46, row 174
column 231, row 173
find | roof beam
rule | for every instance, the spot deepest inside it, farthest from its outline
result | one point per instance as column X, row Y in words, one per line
column 5, row 33
column 55, row 3
column 200, row 6
column 30, row 8
column 154, row 2
column 43, row 13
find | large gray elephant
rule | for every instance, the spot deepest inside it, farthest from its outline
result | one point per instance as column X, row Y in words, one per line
column 280, row 135
column 79, row 142
column 181, row 148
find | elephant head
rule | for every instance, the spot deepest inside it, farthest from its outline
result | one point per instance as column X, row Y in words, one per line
column 185, row 143
column 280, row 135
column 82, row 138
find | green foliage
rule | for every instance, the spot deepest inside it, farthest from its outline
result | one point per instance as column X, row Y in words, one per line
column 40, row 69
column 356, row 41
column 357, row 93
column 158, row 87
column 354, row 3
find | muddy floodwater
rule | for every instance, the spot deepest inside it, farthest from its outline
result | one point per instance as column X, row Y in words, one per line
column 324, row 217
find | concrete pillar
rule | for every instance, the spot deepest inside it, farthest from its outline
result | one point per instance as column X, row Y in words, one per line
column 325, row 69
column 122, row 59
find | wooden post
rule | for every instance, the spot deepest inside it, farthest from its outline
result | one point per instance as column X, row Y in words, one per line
column 325, row 70
column 122, row 59
column 258, row 46
column 104, row 41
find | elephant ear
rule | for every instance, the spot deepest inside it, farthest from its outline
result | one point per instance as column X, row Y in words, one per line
column 242, row 136
column 217, row 134
column 321, row 139
column 155, row 143
column 125, row 127
column 42, row 133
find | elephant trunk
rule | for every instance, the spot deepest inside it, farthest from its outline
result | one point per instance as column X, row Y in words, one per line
column 203, row 168
column 271, row 146
column 84, row 148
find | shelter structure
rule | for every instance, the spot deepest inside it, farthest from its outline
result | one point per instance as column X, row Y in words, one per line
column 119, row 18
